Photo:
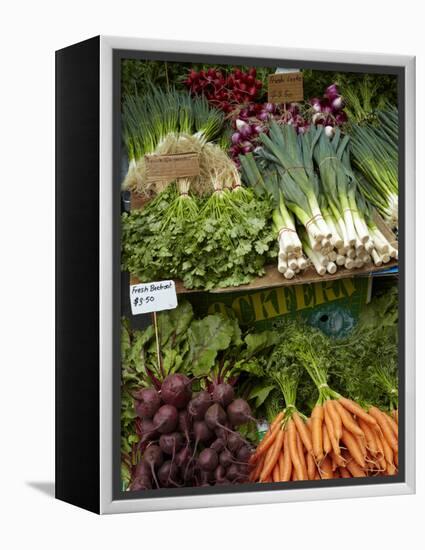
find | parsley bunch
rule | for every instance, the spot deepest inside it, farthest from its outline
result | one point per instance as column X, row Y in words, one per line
column 225, row 242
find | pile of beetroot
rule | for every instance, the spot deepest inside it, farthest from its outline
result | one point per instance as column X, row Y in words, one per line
column 189, row 439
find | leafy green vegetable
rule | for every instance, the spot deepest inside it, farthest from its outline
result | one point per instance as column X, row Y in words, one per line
column 206, row 338
column 365, row 365
column 210, row 251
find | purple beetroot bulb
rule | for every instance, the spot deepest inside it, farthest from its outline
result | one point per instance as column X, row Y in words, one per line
column 176, row 390
column 147, row 403
column 166, row 419
column 223, row 394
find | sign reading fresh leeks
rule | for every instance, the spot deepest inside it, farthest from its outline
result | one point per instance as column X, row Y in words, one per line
column 285, row 87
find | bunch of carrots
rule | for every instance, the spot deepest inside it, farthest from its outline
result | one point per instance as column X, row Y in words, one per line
column 339, row 439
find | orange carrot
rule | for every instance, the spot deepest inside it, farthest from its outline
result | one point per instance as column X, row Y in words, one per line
column 382, row 419
column 388, row 452
column 293, row 449
column 281, row 462
column 355, row 409
column 276, row 473
column 396, row 458
column 267, row 442
column 391, row 470
column 361, row 441
column 326, row 468
column 316, row 431
column 311, row 466
column 301, row 456
column 335, row 418
column 370, row 437
column 255, row 474
column 347, row 420
column 393, row 424
column 277, row 419
column 303, row 431
column 344, row 472
column 271, row 434
column 352, row 445
column 337, row 460
column 331, row 431
column 272, row 456
column 287, row 462
column 354, row 469
column 327, row 447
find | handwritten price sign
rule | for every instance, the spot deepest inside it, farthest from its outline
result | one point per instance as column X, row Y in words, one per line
column 155, row 296
column 285, row 87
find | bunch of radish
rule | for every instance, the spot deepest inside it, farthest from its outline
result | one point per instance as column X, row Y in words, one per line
column 222, row 90
column 189, row 439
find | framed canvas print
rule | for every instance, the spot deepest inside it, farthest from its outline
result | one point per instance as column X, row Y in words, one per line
column 234, row 274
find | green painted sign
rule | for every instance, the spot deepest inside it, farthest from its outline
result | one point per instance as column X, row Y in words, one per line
column 333, row 306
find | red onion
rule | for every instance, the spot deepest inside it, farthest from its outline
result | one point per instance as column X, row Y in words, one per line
column 332, row 92
column 315, row 103
column 329, row 131
column 236, row 138
column 337, row 103
column 341, row 118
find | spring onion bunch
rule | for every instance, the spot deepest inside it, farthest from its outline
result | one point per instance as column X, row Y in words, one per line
column 290, row 257
column 319, row 212
column 166, row 122
column 374, row 149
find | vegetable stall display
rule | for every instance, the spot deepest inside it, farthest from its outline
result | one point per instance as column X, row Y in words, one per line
column 192, row 398
column 293, row 192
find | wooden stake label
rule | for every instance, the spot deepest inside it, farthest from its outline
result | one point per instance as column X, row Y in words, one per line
column 167, row 168
column 285, row 87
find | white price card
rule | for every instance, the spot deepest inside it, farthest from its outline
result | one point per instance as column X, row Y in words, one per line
column 155, row 296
